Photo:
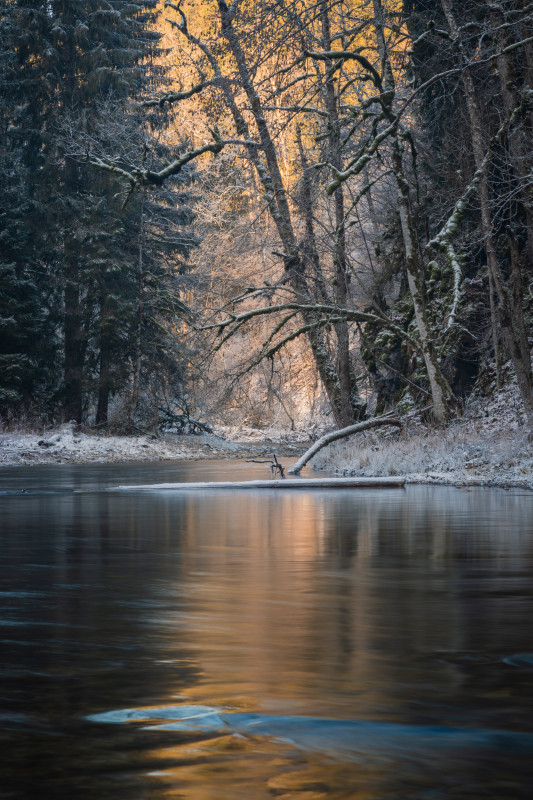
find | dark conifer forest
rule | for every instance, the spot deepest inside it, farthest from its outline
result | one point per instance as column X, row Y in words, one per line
column 86, row 285
column 205, row 200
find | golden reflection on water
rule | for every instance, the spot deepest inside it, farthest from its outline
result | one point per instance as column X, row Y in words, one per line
column 266, row 636
column 392, row 606
column 297, row 605
column 258, row 615
column 282, row 599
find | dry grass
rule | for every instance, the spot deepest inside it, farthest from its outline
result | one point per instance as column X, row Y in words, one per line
column 461, row 451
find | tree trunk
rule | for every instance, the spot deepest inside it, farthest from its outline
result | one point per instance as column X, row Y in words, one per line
column 309, row 246
column 137, row 356
column 73, row 364
column 353, row 405
column 272, row 182
column 495, row 333
column 74, row 344
column 509, row 308
column 519, row 150
column 104, row 384
column 342, row 434
column 440, row 391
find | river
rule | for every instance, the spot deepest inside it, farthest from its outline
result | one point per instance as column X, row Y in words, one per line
column 373, row 644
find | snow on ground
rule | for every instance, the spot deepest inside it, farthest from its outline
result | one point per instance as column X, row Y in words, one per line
column 272, row 435
column 461, row 454
column 65, row 445
column 490, row 445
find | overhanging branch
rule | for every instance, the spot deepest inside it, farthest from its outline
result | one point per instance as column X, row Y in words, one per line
column 228, row 327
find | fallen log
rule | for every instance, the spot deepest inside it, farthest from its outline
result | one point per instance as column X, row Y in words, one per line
column 387, row 419
column 297, row 483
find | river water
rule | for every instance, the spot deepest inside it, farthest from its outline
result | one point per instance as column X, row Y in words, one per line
column 200, row 645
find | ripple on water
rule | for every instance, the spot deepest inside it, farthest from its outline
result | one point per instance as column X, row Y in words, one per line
column 341, row 738
column 520, row 660
column 188, row 717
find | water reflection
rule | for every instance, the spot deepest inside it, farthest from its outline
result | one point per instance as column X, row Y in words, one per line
column 396, row 607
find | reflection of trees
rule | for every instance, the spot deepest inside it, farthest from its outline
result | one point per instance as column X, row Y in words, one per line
column 393, row 605
column 337, row 594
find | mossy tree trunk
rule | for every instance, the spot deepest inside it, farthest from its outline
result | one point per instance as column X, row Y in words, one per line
column 509, row 301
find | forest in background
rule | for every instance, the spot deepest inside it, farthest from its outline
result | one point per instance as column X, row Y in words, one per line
column 219, row 210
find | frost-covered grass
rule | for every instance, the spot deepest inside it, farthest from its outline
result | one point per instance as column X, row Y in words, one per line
column 460, row 452
column 490, row 444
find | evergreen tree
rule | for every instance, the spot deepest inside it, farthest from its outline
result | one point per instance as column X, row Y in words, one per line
column 70, row 249
column 27, row 331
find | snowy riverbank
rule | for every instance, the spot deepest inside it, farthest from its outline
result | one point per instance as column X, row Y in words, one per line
column 66, row 446
column 461, row 455
column 489, row 446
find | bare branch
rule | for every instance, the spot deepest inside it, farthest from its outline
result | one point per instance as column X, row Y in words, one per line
column 348, row 314
column 175, row 97
column 387, row 419
column 347, row 55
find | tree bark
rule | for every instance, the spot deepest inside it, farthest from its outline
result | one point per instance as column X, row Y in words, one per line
column 74, row 345
column 509, row 308
column 137, row 355
column 73, row 364
column 104, row 374
column 276, row 194
column 353, row 405
column 309, row 245
column 440, row 391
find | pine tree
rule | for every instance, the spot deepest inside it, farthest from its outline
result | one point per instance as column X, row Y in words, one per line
column 27, row 335
column 61, row 222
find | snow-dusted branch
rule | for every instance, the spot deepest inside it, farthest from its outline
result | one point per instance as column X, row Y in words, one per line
column 146, row 177
column 175, row 97
column 348, row 55
column 329, row 313
column 387, row 419
column 356, row 166
column 298, row 109
column 290, row 337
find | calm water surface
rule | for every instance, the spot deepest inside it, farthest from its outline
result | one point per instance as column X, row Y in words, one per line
column 359, row 644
